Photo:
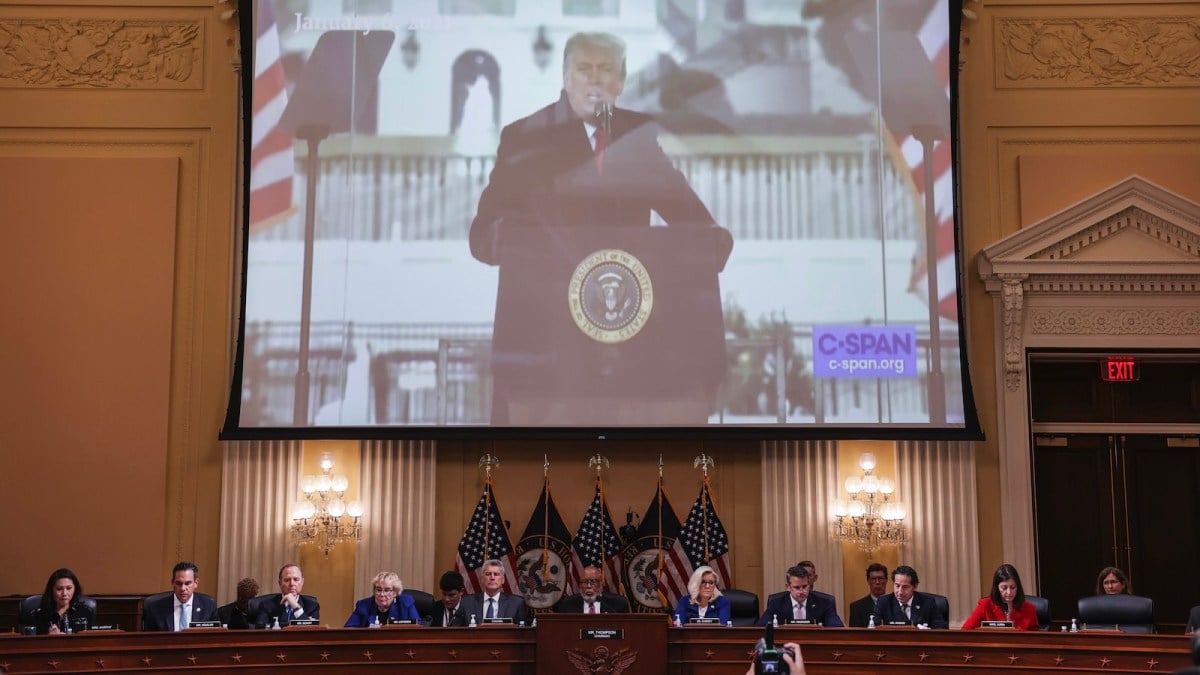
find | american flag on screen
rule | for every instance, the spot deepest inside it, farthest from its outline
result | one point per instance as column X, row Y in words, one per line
column 486, row 537
column 272, row 155
column 596, row 545
column 701, row 541
column 934, row 36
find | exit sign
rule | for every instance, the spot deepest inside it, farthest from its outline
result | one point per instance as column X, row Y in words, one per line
column 1119, row 369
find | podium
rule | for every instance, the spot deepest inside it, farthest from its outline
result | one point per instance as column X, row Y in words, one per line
column 632, row 644
column 608, row 326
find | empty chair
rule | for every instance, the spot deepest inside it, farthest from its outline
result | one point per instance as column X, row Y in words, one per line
column 1042, row 607
column 942, row 603
column 423, row 601
column 1128, row 613
column 743, row 606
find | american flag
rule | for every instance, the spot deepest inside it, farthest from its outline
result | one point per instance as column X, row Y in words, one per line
column 486, row 537
column 701, row 541
column 272, row 153
column 596, row 544
column 934, row 36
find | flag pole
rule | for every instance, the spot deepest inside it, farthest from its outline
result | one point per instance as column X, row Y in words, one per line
column 488, row 462
column 600, row 462
column 545, row 517
column 703, row 462
column 658, row 544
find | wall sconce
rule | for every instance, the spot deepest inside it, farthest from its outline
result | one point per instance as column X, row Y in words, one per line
column 542, row 48
column 322, row 518
column 870, row 518
column 410, row 50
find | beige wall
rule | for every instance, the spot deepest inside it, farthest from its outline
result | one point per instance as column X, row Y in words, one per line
column 117, row 193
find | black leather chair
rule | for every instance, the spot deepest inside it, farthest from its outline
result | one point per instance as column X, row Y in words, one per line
column 27, row 606
column 743, row 606
column 943, row 604
column 1042, row 606
column 1127, row 613
column 424, row 602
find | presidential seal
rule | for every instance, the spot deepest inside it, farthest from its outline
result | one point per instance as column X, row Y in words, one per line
column 610, row 296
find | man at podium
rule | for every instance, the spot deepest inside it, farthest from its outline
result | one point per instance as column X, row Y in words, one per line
column 577, row 178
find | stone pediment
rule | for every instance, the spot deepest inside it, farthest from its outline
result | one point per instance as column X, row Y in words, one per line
column 1133, row 228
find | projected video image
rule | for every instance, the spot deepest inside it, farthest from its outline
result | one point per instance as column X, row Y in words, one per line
column 599, row 214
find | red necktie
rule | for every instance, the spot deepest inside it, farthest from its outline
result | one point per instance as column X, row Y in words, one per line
column 591, row 608
column 598, row 151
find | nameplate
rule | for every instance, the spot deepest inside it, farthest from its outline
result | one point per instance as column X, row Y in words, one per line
column 705, row 620
column 995, row 624
column 205, row 624
column 802, row 622
column 897, row 624
column 307, row 622
column 602, row 634
column 106, row 626
column 500, row 620
column 401, row 622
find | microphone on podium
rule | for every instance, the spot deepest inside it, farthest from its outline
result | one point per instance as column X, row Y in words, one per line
column 603, row 112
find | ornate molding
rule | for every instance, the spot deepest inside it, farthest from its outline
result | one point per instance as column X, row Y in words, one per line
column 1115, row 283
column 1114, row 321
column 1098, row 51
column 57, row 53
column 1013, row 299
column 1133, row 217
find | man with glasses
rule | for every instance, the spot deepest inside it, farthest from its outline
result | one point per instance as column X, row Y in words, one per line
column 288, row 604
column 862, row 609
column 492, row 605
column 797, row 604
column 589, row 599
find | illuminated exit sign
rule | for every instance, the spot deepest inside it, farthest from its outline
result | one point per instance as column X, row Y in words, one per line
column 1119, row 369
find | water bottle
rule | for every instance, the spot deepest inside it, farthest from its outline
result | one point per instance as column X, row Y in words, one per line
column 472, row 624
column 678, row 623
column 1074, row 626
column 775, row 621
column 533, row 624
column 871, row 622
column 67, row 625
column 275, row 624
column 729, row 624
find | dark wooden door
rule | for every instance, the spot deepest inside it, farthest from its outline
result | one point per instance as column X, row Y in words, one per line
column 1119, row 499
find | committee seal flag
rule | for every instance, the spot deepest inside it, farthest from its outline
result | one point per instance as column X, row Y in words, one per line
column 610, row 296
column 646, row 555
column 543, row 555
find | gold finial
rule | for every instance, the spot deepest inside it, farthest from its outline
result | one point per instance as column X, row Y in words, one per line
column 489, row 462
column 702, row 462
column 598, row 462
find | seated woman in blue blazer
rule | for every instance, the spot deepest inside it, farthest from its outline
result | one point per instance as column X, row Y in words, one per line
column 704, row 599
column 385, row 605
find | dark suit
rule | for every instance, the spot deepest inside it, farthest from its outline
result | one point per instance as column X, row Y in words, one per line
column 818, row 608
column 546, row 176
column 861, row 611
column 402, row 609
column 508, row 607
column 270, row 608
column 924, row 611
column 610, row 603
column 159, row 613
column 232, row 616
column 439, row 619
column 79, row 617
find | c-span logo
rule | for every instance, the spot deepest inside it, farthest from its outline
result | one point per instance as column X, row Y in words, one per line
column 610, row 296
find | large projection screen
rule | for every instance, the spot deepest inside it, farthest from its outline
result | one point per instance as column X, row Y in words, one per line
column 761, row 238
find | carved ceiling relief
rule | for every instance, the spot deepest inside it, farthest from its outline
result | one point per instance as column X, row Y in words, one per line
column 89, row 53
column 1100, row 51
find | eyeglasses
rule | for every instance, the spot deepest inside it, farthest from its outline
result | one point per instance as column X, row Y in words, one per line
column 708, row 583
column 384, row 591
column 589, row 582
column 876, row 578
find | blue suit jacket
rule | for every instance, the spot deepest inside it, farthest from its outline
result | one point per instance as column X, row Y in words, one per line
column 686, row 609
column 270, row 608
column 159, row 613
column 818, row 608
column 403, row 608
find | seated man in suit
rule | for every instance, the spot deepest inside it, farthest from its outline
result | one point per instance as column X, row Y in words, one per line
column 862, row 609
column 452, row 587
column 184, row 606
column 288, row 603
column 241, row 613
column 589, row 599
column 908, row 606
column 492, row 603
column 798, row 604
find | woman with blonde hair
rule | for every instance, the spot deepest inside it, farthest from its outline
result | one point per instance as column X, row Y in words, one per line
column 386, row 604
column 704, row 599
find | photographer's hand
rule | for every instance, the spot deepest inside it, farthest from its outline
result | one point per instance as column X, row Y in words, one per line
column 795, row 667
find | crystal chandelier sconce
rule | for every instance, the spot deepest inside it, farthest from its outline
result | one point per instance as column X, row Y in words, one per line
column 322, row 517
column 871, row 517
